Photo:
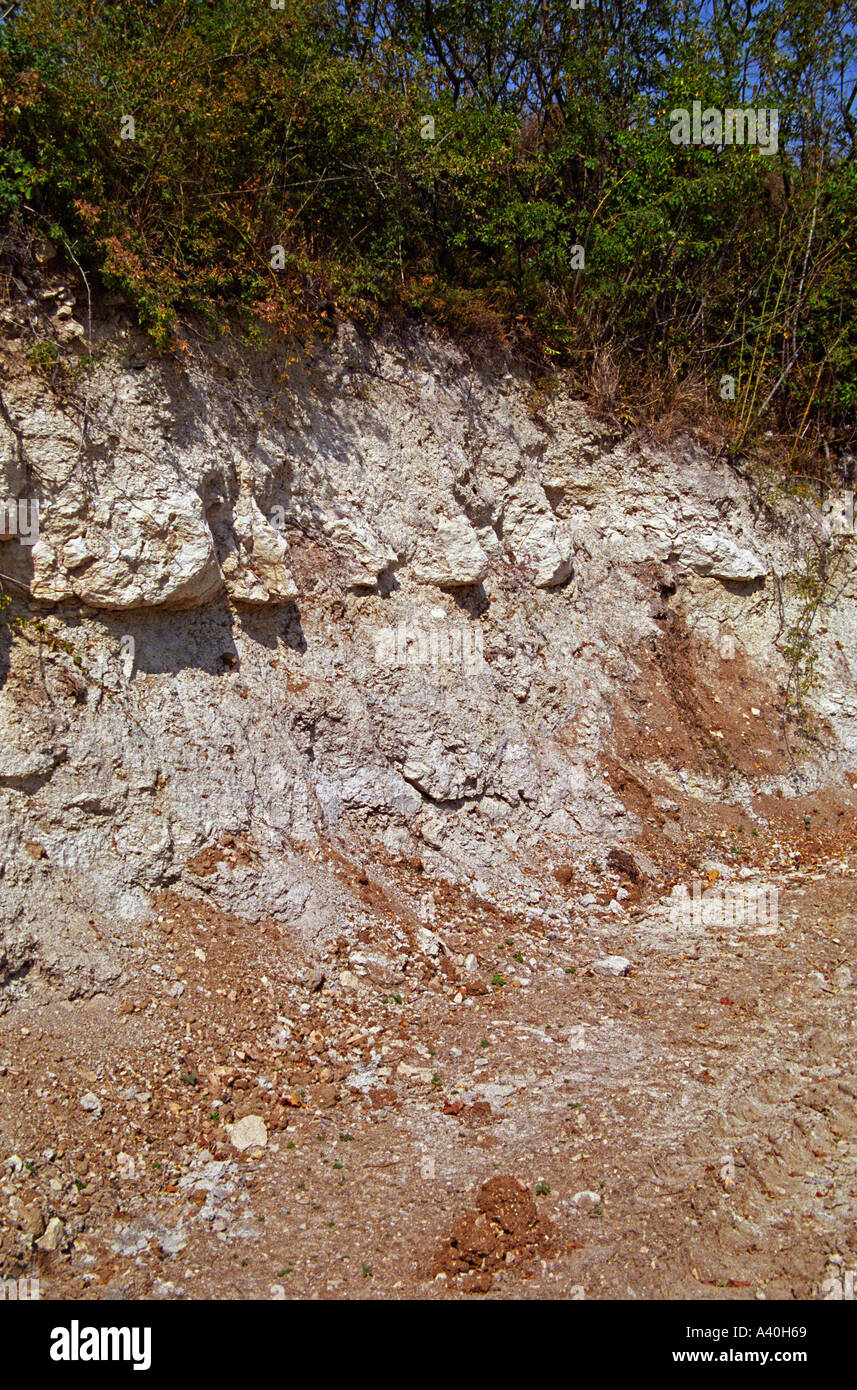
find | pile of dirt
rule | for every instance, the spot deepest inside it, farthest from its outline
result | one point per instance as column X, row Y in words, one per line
column 505, row 1230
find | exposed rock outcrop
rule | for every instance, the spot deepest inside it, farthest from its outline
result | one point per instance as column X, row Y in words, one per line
column 223, row 561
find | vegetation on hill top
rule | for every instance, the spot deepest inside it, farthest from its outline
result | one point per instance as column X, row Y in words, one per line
column 501, row 168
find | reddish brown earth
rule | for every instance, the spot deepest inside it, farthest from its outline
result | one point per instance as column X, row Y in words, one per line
column 702, row 1109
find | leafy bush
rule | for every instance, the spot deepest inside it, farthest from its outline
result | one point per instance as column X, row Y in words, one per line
column 304, row 128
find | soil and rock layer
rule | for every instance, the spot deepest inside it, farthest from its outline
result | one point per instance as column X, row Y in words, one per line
column 362, row 714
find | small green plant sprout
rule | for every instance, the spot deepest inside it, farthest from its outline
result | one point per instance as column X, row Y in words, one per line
column 43, row 357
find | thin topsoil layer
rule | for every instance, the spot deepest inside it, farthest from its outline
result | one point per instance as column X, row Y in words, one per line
column 479, row 1106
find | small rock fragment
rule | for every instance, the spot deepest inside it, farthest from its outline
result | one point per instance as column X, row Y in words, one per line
column 428, row 942
column 29, row 1218
column 54, row 1235
column 249, row 1133
column 89, row 1101
column 614, row 965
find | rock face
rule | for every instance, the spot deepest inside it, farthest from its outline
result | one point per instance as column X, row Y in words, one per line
column 335, row 611
column 719, row 555
column 254, row 565
column 452, row 557
column 537, row 542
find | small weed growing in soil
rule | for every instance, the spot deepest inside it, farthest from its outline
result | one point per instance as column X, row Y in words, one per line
column 43, row 356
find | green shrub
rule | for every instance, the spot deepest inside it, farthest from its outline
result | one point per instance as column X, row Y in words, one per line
column 303, row 128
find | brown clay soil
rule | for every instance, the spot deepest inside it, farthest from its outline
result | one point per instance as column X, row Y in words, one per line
column 503, row 1119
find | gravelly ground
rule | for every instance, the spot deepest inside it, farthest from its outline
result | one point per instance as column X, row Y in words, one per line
column 704, row 1104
